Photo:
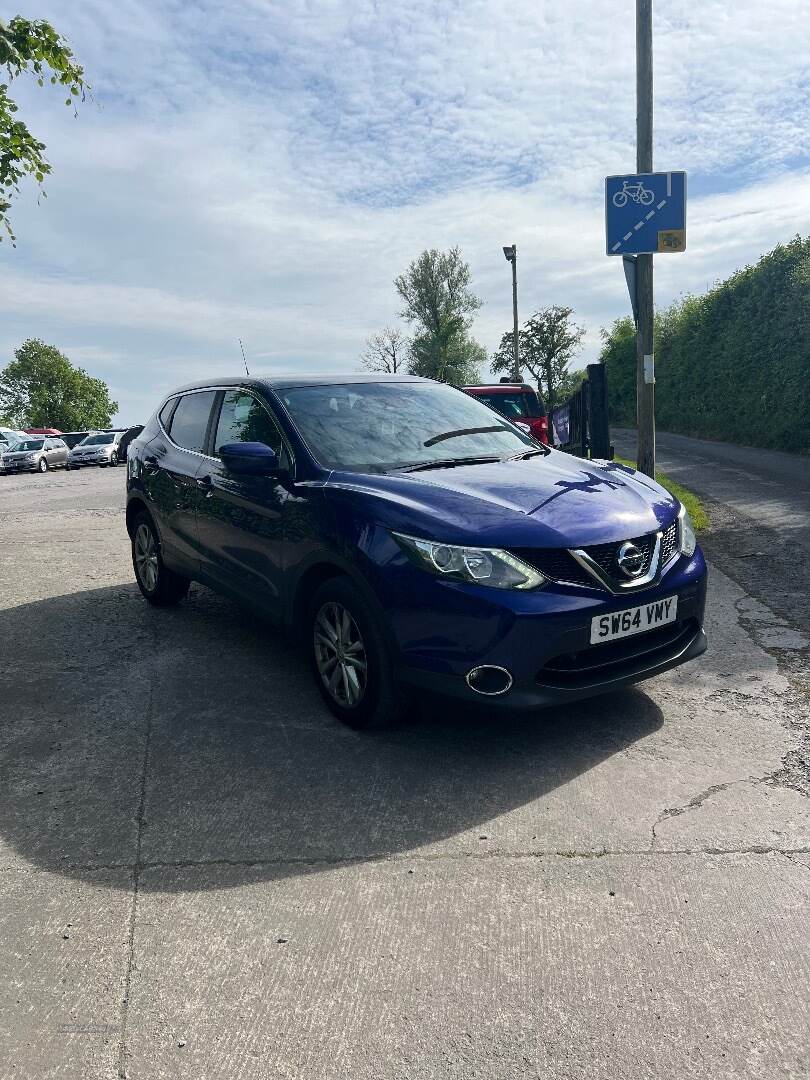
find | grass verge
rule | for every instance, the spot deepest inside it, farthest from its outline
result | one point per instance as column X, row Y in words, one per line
column 695, row 508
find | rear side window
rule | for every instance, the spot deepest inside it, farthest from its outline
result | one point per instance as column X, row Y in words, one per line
column 190, row 421
column 165, row 413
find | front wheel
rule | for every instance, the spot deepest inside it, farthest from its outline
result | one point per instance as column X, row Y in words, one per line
column 43, row 465
column 349, row 659
column 113, row 458
column 159, row 585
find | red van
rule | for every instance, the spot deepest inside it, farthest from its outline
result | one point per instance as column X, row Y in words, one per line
column 518, row 402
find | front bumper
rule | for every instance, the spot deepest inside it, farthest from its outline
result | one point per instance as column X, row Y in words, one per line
column 28, row 466
column 541, row 638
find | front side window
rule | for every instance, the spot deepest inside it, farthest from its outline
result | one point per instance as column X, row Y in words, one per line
column 190, row 421
column 376, row 427
column 243, row 418
column 513, row 406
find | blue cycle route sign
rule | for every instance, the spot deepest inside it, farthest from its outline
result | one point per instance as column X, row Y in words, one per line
column 645, row 213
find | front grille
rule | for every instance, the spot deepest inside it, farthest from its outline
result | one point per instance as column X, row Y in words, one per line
column 669, row 542
column 606, row 554
column 558, row 564
column 616, row 659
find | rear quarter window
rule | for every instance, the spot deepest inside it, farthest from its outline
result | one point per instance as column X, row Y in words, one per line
column 189, row 423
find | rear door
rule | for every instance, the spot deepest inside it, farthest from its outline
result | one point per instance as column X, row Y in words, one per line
column 240, row 517
column 171, row 463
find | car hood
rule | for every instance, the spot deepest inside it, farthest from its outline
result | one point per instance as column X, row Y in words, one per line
column 552, row 501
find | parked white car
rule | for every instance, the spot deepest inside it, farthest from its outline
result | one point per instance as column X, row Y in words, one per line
column 8, row 437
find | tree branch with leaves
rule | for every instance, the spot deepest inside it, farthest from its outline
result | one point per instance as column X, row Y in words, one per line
column 34, row 48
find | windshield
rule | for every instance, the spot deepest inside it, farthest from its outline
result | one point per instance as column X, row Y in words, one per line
column 514, row 406
column 30, row 444
column 97, row 440
column 376, row 427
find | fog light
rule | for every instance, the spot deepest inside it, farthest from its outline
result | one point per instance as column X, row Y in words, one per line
column 489, row 680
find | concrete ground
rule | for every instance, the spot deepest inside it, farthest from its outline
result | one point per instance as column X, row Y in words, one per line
column 203, row 875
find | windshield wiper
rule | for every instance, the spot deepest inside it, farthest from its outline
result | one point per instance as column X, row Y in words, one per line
column 463, row 431
column 529, row 453
column 448, row 463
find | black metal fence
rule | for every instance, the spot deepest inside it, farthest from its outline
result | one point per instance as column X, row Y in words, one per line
column 580, row 426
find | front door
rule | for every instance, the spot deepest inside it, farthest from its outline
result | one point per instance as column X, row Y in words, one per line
column 240, row 517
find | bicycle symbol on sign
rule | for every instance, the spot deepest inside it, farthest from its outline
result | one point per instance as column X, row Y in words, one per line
column 637, row 192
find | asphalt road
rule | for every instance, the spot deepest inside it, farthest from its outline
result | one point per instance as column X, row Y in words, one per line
column 203, row 875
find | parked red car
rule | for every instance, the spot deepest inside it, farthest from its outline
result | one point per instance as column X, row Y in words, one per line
column 41, row 431
column 518, row 402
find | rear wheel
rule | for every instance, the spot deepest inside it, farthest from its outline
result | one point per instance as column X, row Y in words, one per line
column 159, row 585
column 349, row 659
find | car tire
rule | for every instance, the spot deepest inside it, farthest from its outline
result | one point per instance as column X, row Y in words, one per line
column 113, row 459
column 338, row 608
column 159, row 585
column 42, row 466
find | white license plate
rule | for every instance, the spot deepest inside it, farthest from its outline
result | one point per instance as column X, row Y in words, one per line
column 634, row 620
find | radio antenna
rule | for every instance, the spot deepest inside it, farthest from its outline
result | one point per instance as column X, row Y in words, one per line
column 242, row 347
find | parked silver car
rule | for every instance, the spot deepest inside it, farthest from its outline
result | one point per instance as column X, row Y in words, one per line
column 34, row 454
column 98, row 448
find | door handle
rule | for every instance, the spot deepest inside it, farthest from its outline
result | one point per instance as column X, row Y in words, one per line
column 206, row 484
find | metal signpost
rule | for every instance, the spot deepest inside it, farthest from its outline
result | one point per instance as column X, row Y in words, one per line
column 645, row 214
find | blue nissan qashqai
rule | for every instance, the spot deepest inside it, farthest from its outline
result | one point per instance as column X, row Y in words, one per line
column 414, row 538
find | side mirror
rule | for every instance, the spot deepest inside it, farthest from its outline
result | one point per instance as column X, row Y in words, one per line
column 250, row 459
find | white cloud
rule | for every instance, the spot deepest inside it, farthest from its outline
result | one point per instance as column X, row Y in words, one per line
column 264, row 170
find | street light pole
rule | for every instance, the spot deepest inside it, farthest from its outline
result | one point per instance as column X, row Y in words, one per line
column 510, row 253
column 645, row 351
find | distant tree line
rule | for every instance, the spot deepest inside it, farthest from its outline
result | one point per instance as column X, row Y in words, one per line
column 733, row 363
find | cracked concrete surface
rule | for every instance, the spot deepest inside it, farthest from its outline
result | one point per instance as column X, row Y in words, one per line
column 201, row 874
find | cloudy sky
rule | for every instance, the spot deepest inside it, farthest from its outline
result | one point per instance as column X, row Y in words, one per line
column 264, row 168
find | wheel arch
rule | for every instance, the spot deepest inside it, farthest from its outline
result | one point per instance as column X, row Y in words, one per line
column 135, row 507
column 314, row 576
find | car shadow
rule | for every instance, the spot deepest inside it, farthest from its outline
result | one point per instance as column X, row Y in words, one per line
column 195, row 735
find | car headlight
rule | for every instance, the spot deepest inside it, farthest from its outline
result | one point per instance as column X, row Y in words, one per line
column 479, row 566
column 687, row 541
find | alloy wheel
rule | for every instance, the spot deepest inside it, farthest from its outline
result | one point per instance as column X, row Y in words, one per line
column 340, row 655
column 146, row 559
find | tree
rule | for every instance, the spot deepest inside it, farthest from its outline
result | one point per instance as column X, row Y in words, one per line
column 41, row 388
column 438, row 299
column 386, row 351
column 27, row 46
column 547, row 343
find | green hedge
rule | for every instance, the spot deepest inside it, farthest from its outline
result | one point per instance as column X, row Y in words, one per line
column 733, row 364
